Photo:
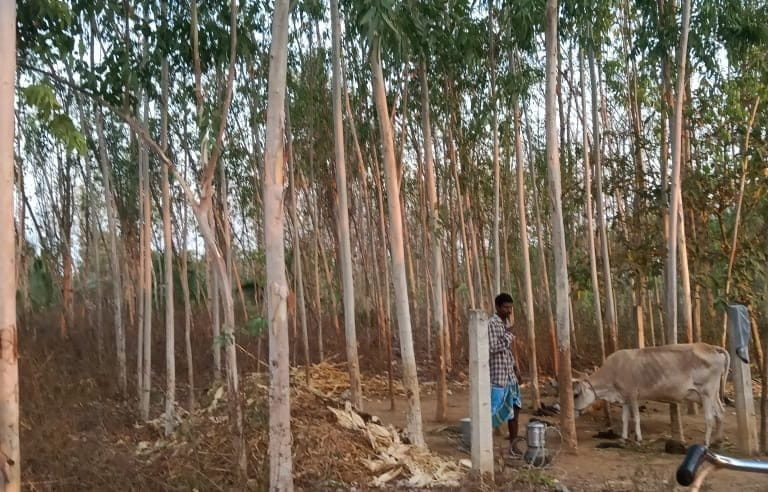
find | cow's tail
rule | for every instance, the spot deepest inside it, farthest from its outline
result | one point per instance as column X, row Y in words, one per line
column 724, row 377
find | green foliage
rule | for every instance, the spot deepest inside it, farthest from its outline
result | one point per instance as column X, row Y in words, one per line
column 49, row 111
column 255, row 327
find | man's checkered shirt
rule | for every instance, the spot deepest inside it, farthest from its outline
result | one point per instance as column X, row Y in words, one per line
column 501, row 361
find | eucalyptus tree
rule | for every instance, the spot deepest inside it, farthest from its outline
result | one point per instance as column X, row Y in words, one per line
column 345, row 250
column 280, row 460
column 9, row 368
column 568, row 423
column 518, row 84
column 170, row 346
column 375, row 21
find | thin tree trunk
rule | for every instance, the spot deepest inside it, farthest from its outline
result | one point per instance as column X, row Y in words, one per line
column 216, row 321
column 675, row 202
column 474, row 237
column 545, row 277
column 737, row 220
column 436, row 234
column 533, row 369
column 567, row 420
column 10, row 480
column 649, row 308
column 464, row 241
column 297, row 244
column 590, row 221
column 146, row 385
column 117, row 287
column 139, row 290
column 170, row 343
column 184, row 273
column 387, row 288
column 281, row 462
column 496, row 164
column 410, row 379
column 316, row 263
column 345, row 250
column 610, row 308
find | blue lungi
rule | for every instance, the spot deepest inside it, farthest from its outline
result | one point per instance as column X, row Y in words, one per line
column 503, row 403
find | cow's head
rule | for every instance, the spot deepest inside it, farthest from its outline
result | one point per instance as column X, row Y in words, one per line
column 583, row 396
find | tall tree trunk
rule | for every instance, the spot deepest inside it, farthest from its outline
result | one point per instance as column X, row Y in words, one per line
column 436, row 235
column 298, row 272
column 170, row 342
column 740, row 199
column 610, row 308
column 675, row 201
column 387, row 285
column 464, row 240
column 215, row 289
column 545, row 277
column 10, row 479
column 280, row 463
column 533, row 369
column 590, row 221
column 567, row 420
column 184, row 274
column 345, row 250
column 146, row 289
column 316, row 263
column 117, row 287
column 139, row 290
column 410, row 379
column 496, row 164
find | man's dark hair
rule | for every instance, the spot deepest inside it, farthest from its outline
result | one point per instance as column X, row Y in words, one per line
column 502, row 299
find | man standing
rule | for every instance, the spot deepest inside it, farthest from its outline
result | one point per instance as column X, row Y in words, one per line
column 505, row 390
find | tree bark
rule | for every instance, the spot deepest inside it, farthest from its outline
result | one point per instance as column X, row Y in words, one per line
column 170, row 343
column 567, row 421
column 545, row 277
column 10, row 479
column 298, row 272
column 345, row 250
column 146, row 290
column 590, row 220
column 410, row 379
column 533, row 369
column 496, row 165
column 280, row 463
column 610, row 308
column 184, row 273
column 675, row 201
column 117, row 287
column 436, row 233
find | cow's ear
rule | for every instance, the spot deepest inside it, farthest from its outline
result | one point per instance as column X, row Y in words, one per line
column 576, row 387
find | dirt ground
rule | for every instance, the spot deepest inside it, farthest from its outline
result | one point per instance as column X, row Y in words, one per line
column 78, row 433
column 645, row 468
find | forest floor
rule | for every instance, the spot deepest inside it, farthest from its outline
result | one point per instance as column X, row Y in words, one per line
column 78, row 433
column 636, row 468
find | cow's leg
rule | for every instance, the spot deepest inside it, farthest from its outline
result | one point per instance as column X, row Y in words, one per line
column 625, row 420
column 709, row 418
column 718, row 412
column 636, row 416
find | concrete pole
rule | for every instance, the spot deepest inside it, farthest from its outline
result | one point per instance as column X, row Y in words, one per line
column 480, row 391
column 738, row 337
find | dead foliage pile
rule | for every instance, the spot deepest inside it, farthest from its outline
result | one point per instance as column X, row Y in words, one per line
column 417, row 465
column 333, row 446
column 332, row 379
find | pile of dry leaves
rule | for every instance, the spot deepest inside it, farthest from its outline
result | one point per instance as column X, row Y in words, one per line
column 334, row 446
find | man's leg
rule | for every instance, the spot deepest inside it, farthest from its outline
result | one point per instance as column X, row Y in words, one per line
column 512, row 425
